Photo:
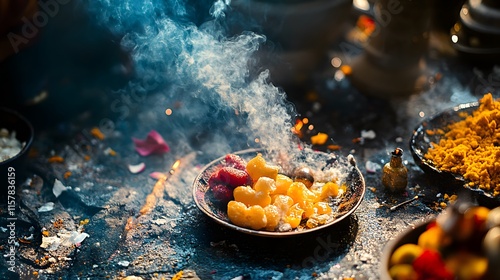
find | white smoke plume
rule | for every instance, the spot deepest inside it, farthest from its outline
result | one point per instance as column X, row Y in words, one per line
column 187, row 51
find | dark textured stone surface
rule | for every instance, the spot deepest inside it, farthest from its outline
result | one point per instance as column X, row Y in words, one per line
column 174, row 235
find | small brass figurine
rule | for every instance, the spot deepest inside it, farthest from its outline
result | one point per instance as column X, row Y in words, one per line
column 395, row 174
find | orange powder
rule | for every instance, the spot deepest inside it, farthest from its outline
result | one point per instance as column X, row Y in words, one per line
column 471, row 147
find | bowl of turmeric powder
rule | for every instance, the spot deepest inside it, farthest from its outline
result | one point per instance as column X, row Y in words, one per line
column 461, row 146
column 253, row 192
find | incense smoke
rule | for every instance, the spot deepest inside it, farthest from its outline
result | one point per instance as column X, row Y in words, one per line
column 185, row 49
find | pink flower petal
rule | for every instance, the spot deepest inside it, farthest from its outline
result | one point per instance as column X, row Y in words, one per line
column 157, row 175
column 137, row 167
column 153, row 144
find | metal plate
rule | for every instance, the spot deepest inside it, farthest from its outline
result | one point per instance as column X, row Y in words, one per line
column 343, row 206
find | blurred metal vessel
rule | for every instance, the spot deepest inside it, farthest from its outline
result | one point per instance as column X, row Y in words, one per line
column 476, row 35
column 298, row 33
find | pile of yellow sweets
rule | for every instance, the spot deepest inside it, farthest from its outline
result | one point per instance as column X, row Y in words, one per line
column 471, row 147
column 275, row 202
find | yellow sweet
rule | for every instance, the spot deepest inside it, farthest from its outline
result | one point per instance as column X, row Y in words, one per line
column 308, row 207
column 317, row 220
column 275, row 200
column 265, row 185
column 322, row 208
column 406, row 254
column 294, row 216
column 467, row 265
column 318, row 208
column 330, row 189
column 257, row 167
column 301, row 194
column 253, row 217
column 403, row 272
column 283, row 202
column 273, row 216
column 431, row 238
column 283, row 182
column 250, row 197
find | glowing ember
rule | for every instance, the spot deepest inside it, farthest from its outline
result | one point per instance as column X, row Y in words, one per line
column 97, row 133
column 297, row 129
column 158, row 189
column 175, row 165
column 319, row 139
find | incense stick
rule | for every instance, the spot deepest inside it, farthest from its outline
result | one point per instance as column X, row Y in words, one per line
column 403, row 203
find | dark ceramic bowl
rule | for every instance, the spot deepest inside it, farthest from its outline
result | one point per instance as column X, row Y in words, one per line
column 343, row 206
column 13, row 121
column 410, row 235
column 421, row 142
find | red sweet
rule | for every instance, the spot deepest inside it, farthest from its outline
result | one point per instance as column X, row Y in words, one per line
column 214, row 177
column 235, row 161
column 222, row 193
column 431, row 225
column 430, row 266
column 230, row 177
